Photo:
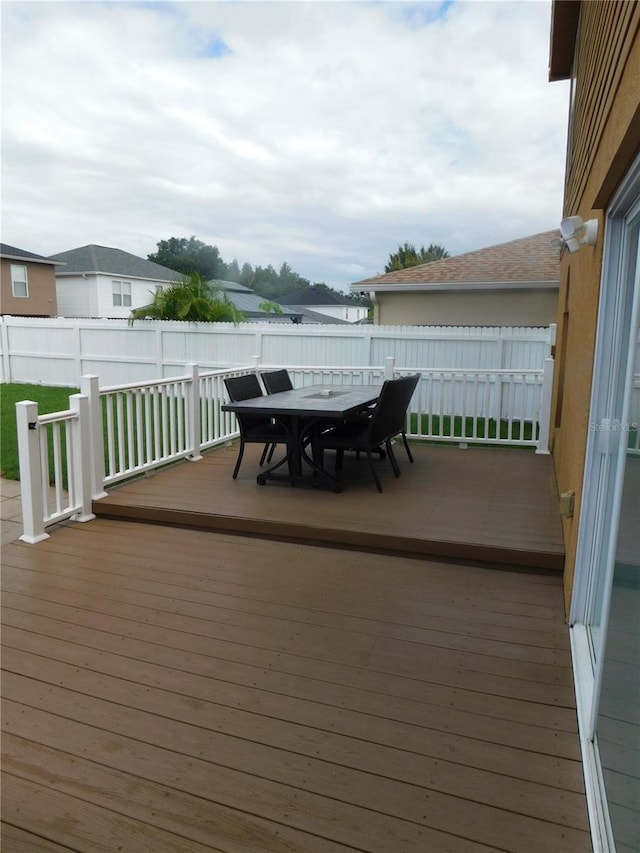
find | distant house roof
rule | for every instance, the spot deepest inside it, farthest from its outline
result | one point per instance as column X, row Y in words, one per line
column 249, row 302
column 530, row 262
column 14, row 254
column 103, row 259
column 309, row 316
column 312, row 296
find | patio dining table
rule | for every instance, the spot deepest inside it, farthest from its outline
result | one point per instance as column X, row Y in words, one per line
column 300, row 411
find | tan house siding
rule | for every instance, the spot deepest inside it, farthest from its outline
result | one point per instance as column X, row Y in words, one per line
column 602, row 148
column 41, row 299
column 605, row 98
column 463, row 308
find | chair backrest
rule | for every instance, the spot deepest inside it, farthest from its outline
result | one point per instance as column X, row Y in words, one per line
column 408, row 385
column 243, row 387
column 390, row 411
column 276, row 381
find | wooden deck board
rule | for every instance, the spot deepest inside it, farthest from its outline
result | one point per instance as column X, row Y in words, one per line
column 191, row 690
column 491, row 504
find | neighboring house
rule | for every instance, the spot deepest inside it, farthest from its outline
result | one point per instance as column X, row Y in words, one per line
column 320, row 301
column 28, row 283
column 511, row 284
column 596, row 405
column 98, row 281
column 252, row 304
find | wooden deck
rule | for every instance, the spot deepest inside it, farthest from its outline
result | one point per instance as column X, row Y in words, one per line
column 176, row 690
column 491, row 504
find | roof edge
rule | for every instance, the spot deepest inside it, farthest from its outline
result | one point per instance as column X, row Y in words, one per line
column 565, row 15
column 28, row 260
column 459, row 286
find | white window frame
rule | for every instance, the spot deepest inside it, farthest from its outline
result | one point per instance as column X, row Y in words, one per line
column 121, row 293
column 19, row 282
column 588, row 668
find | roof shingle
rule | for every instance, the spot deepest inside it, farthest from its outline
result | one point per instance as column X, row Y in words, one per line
column 530, row 259
column 103, row 259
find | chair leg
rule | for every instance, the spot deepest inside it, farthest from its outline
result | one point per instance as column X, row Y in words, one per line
column 239, row 460
column 392, row 458
column 373, row 471
column 407, row 448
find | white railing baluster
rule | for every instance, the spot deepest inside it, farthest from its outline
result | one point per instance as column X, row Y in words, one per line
column 130, row 452
column 111, row 446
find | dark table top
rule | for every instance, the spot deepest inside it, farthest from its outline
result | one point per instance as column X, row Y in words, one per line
column 337, row 401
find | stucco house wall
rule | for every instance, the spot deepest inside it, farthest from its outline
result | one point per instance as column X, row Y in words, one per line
column 40, row 300
column 596, row 164
column 464, row 308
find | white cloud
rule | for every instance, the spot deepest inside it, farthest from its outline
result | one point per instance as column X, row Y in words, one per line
column 317, row 133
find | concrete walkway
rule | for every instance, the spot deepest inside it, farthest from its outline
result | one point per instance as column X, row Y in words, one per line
column 10, row 510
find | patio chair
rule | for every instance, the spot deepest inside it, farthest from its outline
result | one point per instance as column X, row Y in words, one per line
column 276, row 381
column 254, row 429
column 371, row 435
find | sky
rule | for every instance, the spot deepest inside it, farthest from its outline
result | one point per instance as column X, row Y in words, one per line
column 321, row 134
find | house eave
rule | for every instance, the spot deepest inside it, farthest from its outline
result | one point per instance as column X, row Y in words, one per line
column 453, row 286
column 565, row 15
column 119, row 275
column 27, row 260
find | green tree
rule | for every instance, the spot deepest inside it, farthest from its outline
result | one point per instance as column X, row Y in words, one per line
column 247, row 275
column 232, row 271
column 191, row 299
column 409, row 256
column 189, row 256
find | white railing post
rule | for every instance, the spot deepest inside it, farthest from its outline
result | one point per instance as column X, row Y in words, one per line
column 90, row 387
column 193, row 413
column 389, row 365
column 30, row 473
column 6, row 355
column 544, row 435
column 256, row 359
column 81, row 468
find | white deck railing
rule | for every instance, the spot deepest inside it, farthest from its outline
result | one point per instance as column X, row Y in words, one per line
column 113, row 433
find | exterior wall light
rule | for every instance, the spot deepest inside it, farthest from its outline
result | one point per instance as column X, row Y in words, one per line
column 576, row 233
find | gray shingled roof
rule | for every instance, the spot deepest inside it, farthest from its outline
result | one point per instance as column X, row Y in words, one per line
column 533, row 260
column 311, row 296
column 16, row 254
column 102, row 259
column 248, row 301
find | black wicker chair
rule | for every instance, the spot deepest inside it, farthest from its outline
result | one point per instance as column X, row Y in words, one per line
column 388, row 419
column 254, row 429
column 276, row 381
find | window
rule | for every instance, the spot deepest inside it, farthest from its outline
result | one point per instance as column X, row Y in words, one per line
column 19, row 284
column 121, row 293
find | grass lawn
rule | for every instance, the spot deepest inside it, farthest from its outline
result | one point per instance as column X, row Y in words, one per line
column 48, row 399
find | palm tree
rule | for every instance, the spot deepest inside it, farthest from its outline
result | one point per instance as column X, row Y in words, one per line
column 191, row 299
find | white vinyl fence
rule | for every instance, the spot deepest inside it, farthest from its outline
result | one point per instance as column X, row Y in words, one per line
column 111, row 433
column 58, row 351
